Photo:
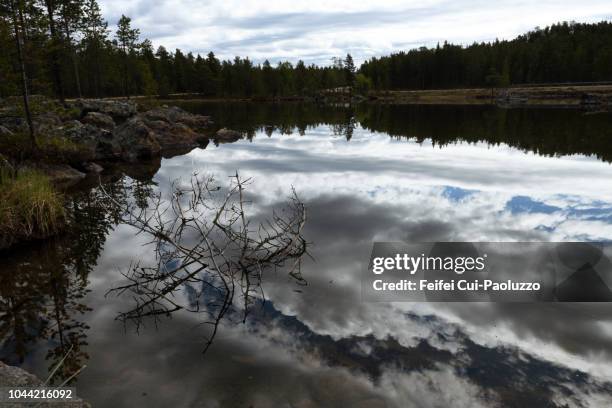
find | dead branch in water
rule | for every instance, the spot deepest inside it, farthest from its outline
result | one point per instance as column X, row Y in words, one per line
column 204, row 239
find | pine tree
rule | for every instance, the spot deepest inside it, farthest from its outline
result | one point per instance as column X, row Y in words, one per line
column 55, row 49
column 71, row 12
column 95, row 33
column 127, row 38
column 349, row 70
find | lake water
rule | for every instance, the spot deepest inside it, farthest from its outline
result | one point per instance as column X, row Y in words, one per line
column 372, row 173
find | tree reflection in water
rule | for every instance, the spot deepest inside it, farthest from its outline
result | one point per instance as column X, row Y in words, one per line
column 206, row 239
column 43, row 286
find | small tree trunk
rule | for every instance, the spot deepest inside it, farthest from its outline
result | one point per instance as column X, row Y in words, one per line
column 77, row 77
column 75, row 66
column 97, row 75
column 125, row 76
column 17, row 20
column 55, row 64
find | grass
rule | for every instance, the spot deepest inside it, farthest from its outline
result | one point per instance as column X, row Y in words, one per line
column 50, row 148
column 29, row 206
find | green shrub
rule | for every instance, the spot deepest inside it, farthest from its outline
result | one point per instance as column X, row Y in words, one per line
column 29, row 206
column 363, row 84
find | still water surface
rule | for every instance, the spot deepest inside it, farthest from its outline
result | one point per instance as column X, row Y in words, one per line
column 374, row 173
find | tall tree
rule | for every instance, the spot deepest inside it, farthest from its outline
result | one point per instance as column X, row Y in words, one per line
column 95, row 32
column 349, row 70
column 127, row 38
column 71, row 13
column 55, row 49
column 16, row 8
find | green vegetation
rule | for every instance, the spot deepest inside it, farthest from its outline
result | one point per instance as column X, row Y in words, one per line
column 68, row 52
column 50, row 149
column 29, row 206
column 565, row 52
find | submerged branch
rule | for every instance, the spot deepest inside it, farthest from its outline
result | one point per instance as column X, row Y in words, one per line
column 206, row 250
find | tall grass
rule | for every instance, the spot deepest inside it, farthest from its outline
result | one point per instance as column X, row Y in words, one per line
column 29, row 206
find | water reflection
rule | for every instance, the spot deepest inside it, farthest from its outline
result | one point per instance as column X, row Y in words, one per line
column 548, row 132
column 43, row 288
column 473, row 174
column 207, row 244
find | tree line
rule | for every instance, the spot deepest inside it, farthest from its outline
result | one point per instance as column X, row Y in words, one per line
column 564, row 52
column 64, row 48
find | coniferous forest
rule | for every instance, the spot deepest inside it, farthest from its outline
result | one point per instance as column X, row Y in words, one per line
column 565, row 52
column 65, row 48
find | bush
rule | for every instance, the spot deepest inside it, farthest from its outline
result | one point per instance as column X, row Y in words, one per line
column 30, row 207
column 363, row 84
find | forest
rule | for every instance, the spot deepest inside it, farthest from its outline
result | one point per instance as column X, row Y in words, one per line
column 65, row 49
column 564, row 52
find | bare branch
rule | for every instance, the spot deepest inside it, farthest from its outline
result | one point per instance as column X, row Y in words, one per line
column 206, row 250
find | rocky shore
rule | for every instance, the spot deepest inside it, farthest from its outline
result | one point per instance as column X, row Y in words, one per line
column 83, row 136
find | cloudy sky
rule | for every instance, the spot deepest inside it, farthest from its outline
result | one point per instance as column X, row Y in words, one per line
column 317, row 30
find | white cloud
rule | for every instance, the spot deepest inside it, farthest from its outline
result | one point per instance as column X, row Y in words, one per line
column 317, row 30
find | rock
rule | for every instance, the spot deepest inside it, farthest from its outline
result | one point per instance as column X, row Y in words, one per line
column 173, row 135
column 4, row 132
column 114, row 108
column 227, row 136
column 13, row 123
column 91, row 142
column 61, row 173
column 101, row 120
column 137, row 140
column 175, row 128
column 42, row 123
column 45, row 122
column 16, row 377
column 93, row 168
column 108, row 147
column 175, row 114
column 83, row 136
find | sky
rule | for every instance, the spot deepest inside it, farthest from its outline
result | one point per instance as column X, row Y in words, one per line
column 317, row 30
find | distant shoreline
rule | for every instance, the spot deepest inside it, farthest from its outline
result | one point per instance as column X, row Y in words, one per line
column 597, row 97
column 570, row 95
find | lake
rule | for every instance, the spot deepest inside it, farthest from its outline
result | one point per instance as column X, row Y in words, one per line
column 368, row 173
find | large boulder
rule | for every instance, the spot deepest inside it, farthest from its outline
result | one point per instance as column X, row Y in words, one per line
column 227, row 136
column 16, row 377
column 174, row 114
column 174, row 135
column 174, row 128
column 101, row 120
column 114, row 108
column 46, row 122
column 88, row 142
column 137, row 140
